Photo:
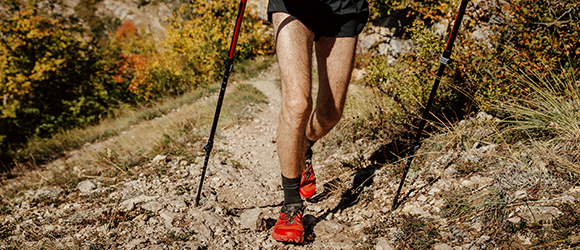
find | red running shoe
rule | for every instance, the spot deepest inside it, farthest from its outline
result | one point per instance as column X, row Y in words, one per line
column 289, row 227
column 308, row 180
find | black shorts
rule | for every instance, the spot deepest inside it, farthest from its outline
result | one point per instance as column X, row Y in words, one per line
column 331, row 18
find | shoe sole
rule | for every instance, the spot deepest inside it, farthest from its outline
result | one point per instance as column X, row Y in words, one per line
column 307, row 196
column 290, row 238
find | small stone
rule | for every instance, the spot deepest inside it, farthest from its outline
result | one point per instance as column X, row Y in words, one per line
column 442, row 246
column 525, row 239
column 251, row 218
column 466, row 183
column 367, row 214
column 159, row 159
column 48, row 192
column 515, row 220
column 134, row 243
column 520, row 194
column 129, row 204
column 168, row 217
column 204, row 232
column 537, row 213
column 178, row 204
column 329, row 227
column 383, row 244
column 418, row 211
column 449, row 172
column 330, row 216
column 85, row 186
column 483, row 239
column 152, row 206
column 422, row 198
column 211, row 219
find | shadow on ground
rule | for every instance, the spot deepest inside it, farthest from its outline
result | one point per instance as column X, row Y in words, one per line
column 364, row 177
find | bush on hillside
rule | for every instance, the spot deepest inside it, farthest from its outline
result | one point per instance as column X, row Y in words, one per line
column 196, row 43
column 59, row 71
column 48, row 73
column 531, row 36
column 526, row 36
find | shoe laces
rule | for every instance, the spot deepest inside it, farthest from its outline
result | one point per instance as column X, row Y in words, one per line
column 291, row 216
column 308, row 171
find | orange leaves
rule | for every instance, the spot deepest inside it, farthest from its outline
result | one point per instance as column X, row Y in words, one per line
column 126, row 30
column 136, row 66
column 129, row 64
column 192, row 52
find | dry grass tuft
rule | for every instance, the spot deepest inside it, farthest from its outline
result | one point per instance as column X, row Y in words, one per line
column 551, row 114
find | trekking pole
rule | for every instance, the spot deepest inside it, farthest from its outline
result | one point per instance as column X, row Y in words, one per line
column 229, row 66
column 443, row 62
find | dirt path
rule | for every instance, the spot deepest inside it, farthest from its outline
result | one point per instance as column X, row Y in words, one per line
column 153, row 207
column 251, row 148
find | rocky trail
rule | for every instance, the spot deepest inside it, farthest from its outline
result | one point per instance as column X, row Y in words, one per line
column 242, row 196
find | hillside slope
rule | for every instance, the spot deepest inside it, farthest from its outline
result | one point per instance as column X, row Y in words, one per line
column 153, row 206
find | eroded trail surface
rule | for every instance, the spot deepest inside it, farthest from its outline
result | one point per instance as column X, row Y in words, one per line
column 245, row 179
column 156, row 209
column 153, row 207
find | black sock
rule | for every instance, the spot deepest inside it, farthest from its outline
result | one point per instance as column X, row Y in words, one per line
column 309, row 145
column 291, row 190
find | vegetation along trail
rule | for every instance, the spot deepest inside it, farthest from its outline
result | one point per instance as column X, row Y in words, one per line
column 497, row 168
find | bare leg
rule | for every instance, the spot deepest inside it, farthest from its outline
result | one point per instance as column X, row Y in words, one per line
column 335, row 57
column 294, row 50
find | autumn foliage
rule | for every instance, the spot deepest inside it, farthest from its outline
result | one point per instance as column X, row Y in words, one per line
column 63, row 71
column 47, row 74
column 196, row 43
column 498, row 41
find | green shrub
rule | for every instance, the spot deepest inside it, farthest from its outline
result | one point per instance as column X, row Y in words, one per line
column 197, row 41
column 55, row 74
column 528, row 36
column 408, row 82
column 525, row 36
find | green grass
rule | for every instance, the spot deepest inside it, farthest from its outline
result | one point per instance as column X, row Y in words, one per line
column 42, row 149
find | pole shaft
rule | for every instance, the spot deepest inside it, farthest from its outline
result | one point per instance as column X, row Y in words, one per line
column 444, row 60
column 229, row 66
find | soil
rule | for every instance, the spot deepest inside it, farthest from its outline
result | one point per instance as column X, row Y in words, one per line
column 242, row 196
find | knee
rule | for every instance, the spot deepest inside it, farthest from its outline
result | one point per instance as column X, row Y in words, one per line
column 296, row 111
